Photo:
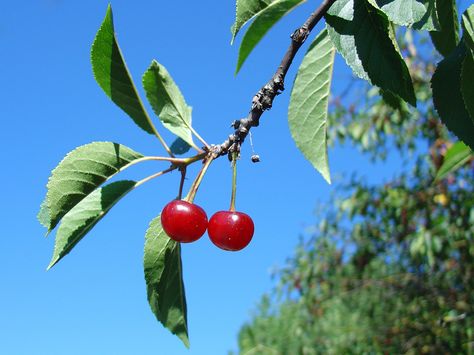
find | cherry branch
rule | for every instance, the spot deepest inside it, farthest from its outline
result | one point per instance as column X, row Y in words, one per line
column 263, row 99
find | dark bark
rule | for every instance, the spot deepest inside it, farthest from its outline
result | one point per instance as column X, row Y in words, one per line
column 263, row 99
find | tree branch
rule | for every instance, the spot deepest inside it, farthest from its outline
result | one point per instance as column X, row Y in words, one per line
column 263, row 99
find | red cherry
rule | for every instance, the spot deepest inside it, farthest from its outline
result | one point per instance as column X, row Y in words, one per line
column 230, row 230
column 183, row 221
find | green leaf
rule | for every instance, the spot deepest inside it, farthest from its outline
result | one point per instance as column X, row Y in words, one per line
column 468, row 27
column 179, row 147
column 361, row 33
column 394, row 101
column 410, row 13
column 264, row 20
column 85, row 215
column 430, row 21
column 308, row 109
column 164, row 280
column 467, row 73
column 112, row 75
column 245, row 10
column 446, row 40
column 447, row 98
column 467, row 83
column 80, row 173
column 168, row 102
column 456, row 156
column 43, row 214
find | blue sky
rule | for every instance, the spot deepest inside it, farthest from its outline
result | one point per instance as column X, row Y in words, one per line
column 94, row 300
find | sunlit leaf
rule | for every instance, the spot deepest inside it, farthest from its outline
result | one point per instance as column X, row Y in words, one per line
column 308, row 109
column 262, row 23
column 468, row 27
column 361, row 33
column 168, row 102
column 430, row 21
column 456, row 156
column 43, row 214
column 420, row 15
column 79, row 173
column 246, row 10
column 112, row 74
column 85, row 215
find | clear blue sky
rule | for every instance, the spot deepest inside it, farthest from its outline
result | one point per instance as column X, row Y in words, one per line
column 94, row 300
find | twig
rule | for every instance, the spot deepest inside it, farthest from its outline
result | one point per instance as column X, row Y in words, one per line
column 263, row 100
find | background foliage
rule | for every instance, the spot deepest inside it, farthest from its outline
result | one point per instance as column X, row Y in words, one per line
column 388, row 267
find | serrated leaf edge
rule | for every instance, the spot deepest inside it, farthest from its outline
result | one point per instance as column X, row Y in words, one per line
column 133, row 162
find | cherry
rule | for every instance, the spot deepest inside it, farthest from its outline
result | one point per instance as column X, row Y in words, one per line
column 183, row 221
column 230, row 230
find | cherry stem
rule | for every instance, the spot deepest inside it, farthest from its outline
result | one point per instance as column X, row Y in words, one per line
column 197, row 181
column 181, row 183
column 234, row 182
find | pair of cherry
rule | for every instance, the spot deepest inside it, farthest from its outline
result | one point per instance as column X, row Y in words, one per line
column 186, row 222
